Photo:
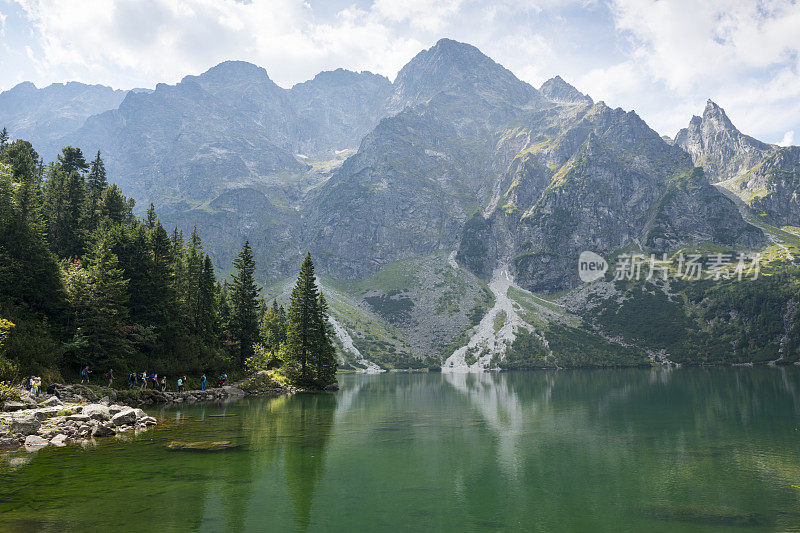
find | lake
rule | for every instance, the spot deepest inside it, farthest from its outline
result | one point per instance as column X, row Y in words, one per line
column 591, row 450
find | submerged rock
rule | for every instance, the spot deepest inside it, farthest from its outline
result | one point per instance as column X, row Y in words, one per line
column 203, row 446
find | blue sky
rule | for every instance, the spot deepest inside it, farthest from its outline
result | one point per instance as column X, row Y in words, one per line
column 662, row 58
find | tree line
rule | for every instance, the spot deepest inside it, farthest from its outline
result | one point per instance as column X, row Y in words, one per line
column 83, row 281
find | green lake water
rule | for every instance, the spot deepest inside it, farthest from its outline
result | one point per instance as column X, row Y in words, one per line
column 586, row 450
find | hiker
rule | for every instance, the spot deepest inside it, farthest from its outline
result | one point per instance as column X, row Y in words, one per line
column 27, row 383
column 203, row 382
column 154, row 377
column 110, row 376
column 144, row 380
column 180, row 384
column 131, row 380
column 35, row 382
column 85, row 374
column 185, row 382
column 220, row 380
column 53, row 390
column 163, row 383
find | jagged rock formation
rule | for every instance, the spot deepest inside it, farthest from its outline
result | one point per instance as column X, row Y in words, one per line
column 557, row 90
column 604, row 182
column 765, row 176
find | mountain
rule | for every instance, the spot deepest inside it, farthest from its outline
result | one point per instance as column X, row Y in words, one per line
column 605, row 182
column 766, row 177
column 420, row 173
column 43, row 116
column 557, row 90
column 446, row 210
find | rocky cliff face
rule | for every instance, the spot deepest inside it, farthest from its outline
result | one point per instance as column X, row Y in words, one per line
column 44, row 116
column 606, row 182
column 764, row 176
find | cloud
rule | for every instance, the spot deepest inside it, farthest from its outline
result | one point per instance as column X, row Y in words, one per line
column 161, row 40
column 661, row 58
column 788, row 139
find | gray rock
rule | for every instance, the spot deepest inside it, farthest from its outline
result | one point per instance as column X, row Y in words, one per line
column 59, row 440
column 52, row 402
column 35, row 441
column 103, row 430
column 124, row 418
column 13, row 406
column 97, row 411
column 8, row 442
column 27, row 425
column 114, row 409
column 78, row 418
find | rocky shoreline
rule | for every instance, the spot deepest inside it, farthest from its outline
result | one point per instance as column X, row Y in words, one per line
column 57, row 423
column 82, row 413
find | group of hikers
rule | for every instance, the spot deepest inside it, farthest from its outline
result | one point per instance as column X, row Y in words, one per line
column 142, row 379
column 135, row 379
column 34, row 384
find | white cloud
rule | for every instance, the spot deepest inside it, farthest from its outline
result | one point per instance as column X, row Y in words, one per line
column 661, row 58
column 162, row 40
column 788, row 139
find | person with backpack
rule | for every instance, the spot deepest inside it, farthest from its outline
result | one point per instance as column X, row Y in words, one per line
column 163, row 383
column 203, row 382
column 85, row 374
column 144, row 380
column 180, row 384
column 110, row 376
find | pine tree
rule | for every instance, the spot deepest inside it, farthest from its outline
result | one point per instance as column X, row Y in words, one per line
column 96, row 179
column 3, row 139
column 152, row 218
column 300, row 332
column 273, row 327
column 244, row 303
column 72, row 160
column 325, row 362
column 96, row 183
column 107, row 313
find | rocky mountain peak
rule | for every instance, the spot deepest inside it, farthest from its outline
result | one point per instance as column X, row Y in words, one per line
column 558, row 90
column 714, row 117
column 233, row 74
column 451, row 65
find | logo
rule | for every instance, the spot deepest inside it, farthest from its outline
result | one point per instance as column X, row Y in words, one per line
column 591, row 267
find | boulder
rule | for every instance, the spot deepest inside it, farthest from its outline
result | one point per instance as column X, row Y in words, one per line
column 114, row 409
column 13, row 406
column 79, row 418
column 148, row 421
column 8, row 442
column 103, row 430
column 124, row 418
column 140, row 413
column 59, row 440
column 52, row 402
column 35, row 441
column 97, row 411
column 26, row 425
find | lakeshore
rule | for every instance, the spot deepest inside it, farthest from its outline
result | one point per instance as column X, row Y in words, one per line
column 81, row 412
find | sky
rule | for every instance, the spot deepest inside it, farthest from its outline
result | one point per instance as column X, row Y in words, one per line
column 661, row 58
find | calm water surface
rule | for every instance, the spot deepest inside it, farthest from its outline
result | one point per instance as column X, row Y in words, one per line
column 601, row 450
